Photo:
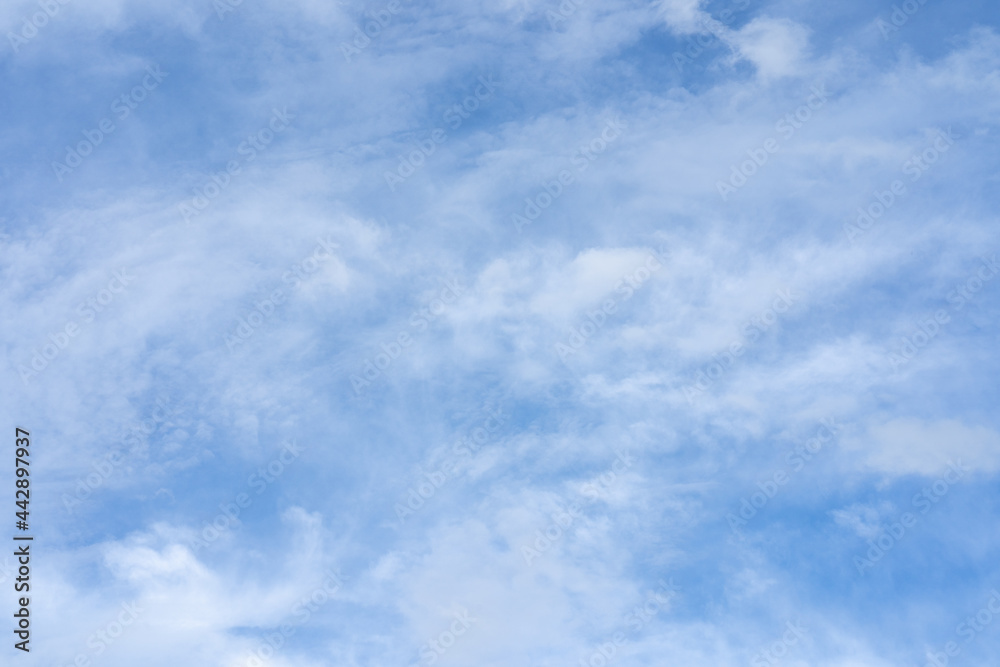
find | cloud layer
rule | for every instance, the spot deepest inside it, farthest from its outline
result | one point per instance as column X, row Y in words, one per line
column 500, row 333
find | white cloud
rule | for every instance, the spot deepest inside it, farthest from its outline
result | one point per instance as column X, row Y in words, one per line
column 913, row 446
column 775, row 46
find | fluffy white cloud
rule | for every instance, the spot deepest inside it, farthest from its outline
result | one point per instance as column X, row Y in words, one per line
column 775, row 46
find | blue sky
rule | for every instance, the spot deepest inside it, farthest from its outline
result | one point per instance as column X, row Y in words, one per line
column 510, row 333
